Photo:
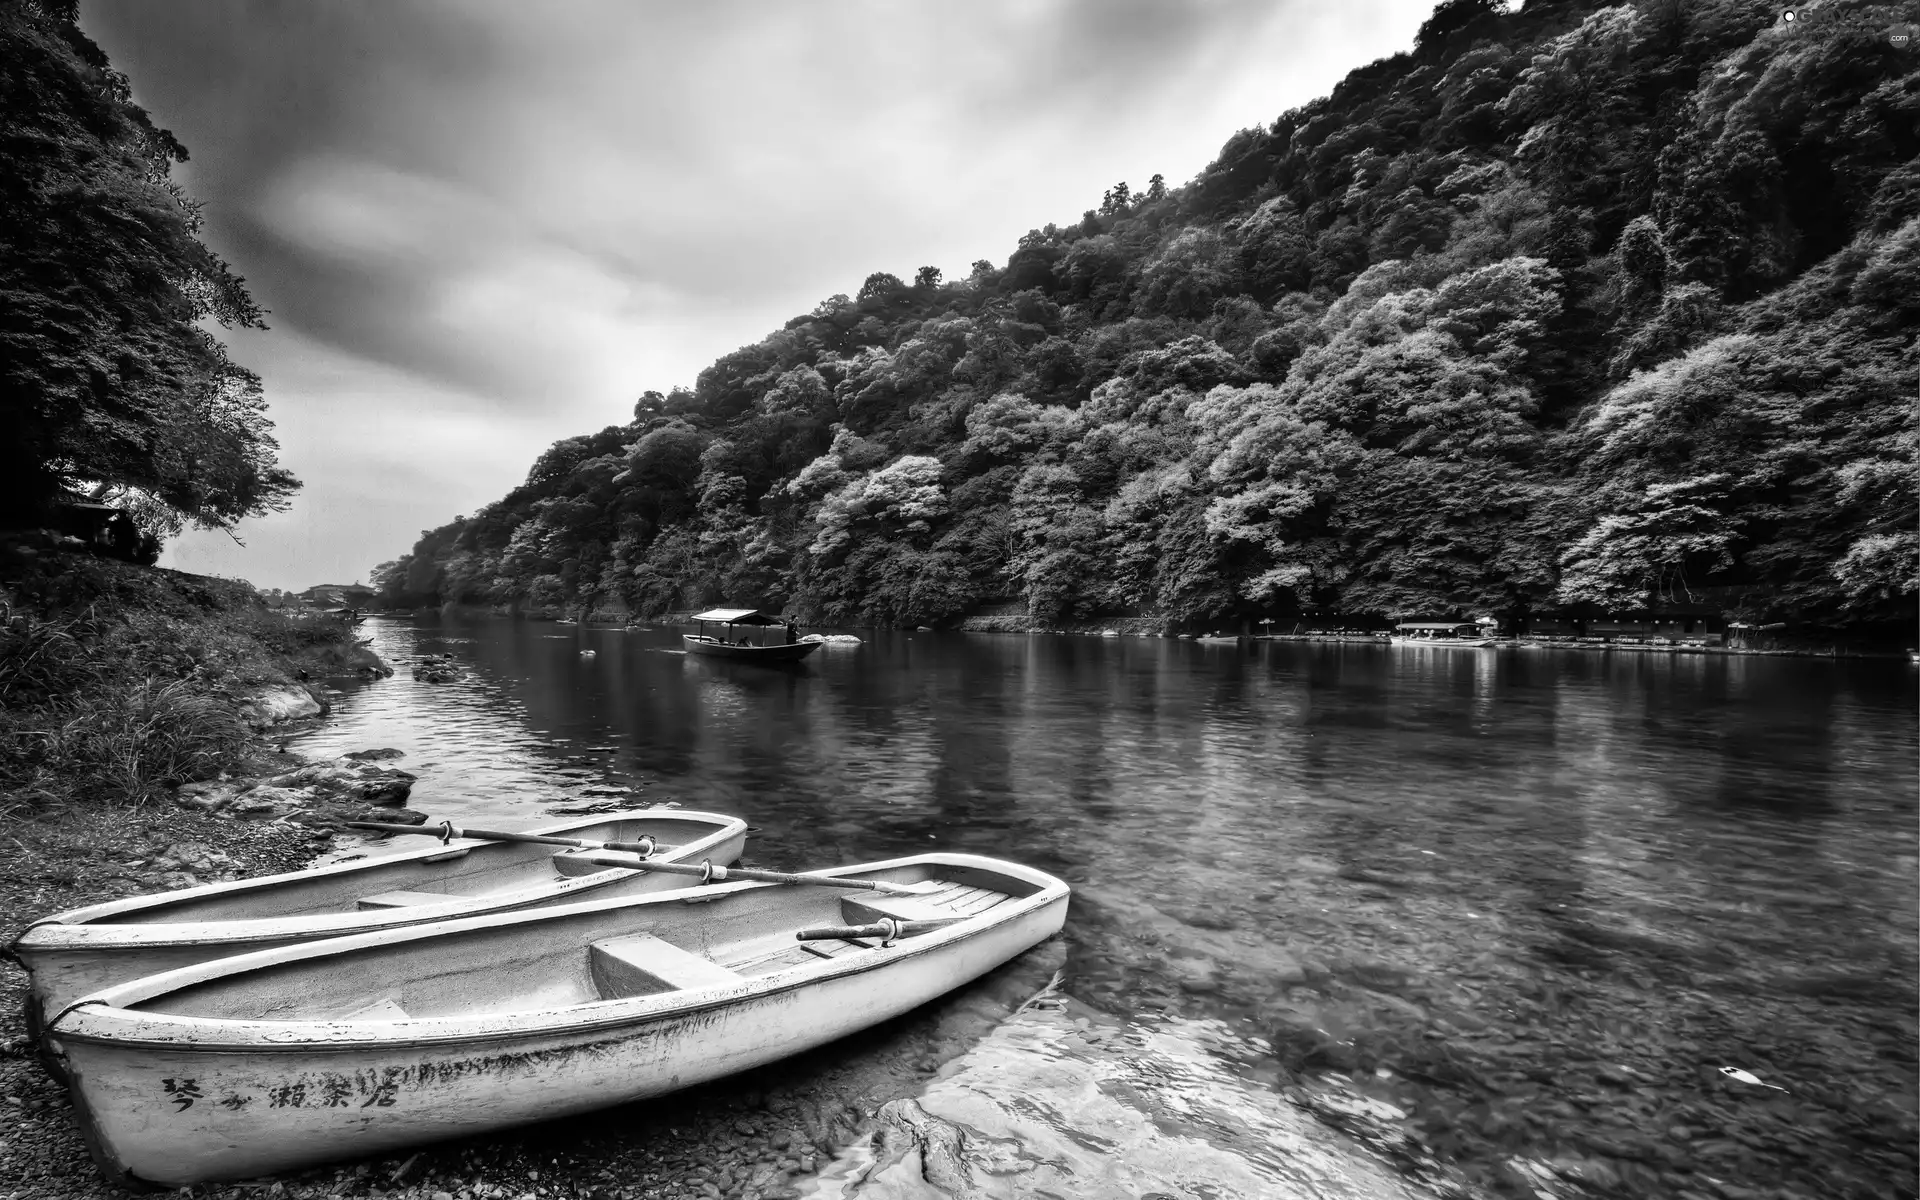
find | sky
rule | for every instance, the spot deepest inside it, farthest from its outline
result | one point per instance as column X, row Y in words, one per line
column 480, row 226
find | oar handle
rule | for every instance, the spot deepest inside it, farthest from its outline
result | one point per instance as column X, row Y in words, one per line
column 446, row 831
column 643, row 847
column 714, row 873
column 887, row 928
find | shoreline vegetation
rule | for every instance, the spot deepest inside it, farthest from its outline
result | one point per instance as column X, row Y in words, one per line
column 120, row 683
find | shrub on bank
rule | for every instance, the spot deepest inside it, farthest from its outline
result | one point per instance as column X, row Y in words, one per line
column 119, row 682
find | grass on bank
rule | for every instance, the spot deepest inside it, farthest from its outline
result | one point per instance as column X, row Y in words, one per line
column 120, row 682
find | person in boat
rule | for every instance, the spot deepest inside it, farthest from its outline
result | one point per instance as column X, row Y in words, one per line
column 793, row 634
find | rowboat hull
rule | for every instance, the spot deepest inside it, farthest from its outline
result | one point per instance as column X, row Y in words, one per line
column 168, row 1094
column 779, row 652
column 70, row 954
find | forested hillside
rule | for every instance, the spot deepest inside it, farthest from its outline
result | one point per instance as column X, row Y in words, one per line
column 1567, row 306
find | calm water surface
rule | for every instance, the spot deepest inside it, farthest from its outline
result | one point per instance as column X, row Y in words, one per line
column 1446, row 872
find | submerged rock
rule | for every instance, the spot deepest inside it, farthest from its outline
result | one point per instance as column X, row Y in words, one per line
column 436, row 668
column 1040, row 1109
column 1194, row 975
column 377, row 786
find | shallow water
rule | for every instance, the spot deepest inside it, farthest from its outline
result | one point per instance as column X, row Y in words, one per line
column 1488, row 884
column 1061, row 1101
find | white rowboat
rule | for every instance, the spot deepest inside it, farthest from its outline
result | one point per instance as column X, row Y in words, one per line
column 85, row 949
column 356, row 1046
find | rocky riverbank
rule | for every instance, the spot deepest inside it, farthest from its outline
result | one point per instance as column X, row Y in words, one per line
column 119, row 682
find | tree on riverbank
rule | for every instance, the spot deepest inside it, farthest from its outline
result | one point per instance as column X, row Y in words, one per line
column 1578, row 305
column 111, row 382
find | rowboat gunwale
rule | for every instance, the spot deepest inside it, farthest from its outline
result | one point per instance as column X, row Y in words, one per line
column 91, row 927
column 104, row 1018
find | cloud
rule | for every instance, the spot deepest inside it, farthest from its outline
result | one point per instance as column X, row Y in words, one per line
column 384, row 455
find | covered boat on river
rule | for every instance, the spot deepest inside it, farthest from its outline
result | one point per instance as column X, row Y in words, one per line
column 1440, row 633
column 727, row 644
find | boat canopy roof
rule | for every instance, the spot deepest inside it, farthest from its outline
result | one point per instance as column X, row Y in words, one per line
column 1434, row 625
column 738, row 616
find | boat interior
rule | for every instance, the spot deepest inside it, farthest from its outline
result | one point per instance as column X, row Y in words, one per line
column 471, row 870
column 561, row 958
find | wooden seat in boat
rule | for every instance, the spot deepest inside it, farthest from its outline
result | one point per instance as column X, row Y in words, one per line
column 865, row 910
column 386, row 1009
column 642, row 965
column 403, row 899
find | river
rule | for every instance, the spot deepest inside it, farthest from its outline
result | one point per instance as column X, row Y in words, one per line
column 1535, row 899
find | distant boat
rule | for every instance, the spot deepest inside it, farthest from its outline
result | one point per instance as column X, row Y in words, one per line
column 726, row 646
column 1439, row 633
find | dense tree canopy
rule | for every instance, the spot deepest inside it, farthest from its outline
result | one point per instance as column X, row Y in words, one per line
column 1579, row 305
column 109, row 379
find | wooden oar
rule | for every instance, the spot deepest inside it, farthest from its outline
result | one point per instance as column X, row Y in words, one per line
column 446, row 831
column 887, row 927
column 710, row 873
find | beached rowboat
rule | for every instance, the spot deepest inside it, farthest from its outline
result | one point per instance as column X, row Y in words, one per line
column 357, row 1046
column 85, row 949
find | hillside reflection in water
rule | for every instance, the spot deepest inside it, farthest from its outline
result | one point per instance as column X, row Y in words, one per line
column 1560, row 857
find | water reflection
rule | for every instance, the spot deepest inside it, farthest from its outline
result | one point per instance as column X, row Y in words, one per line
column 1548, row 845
